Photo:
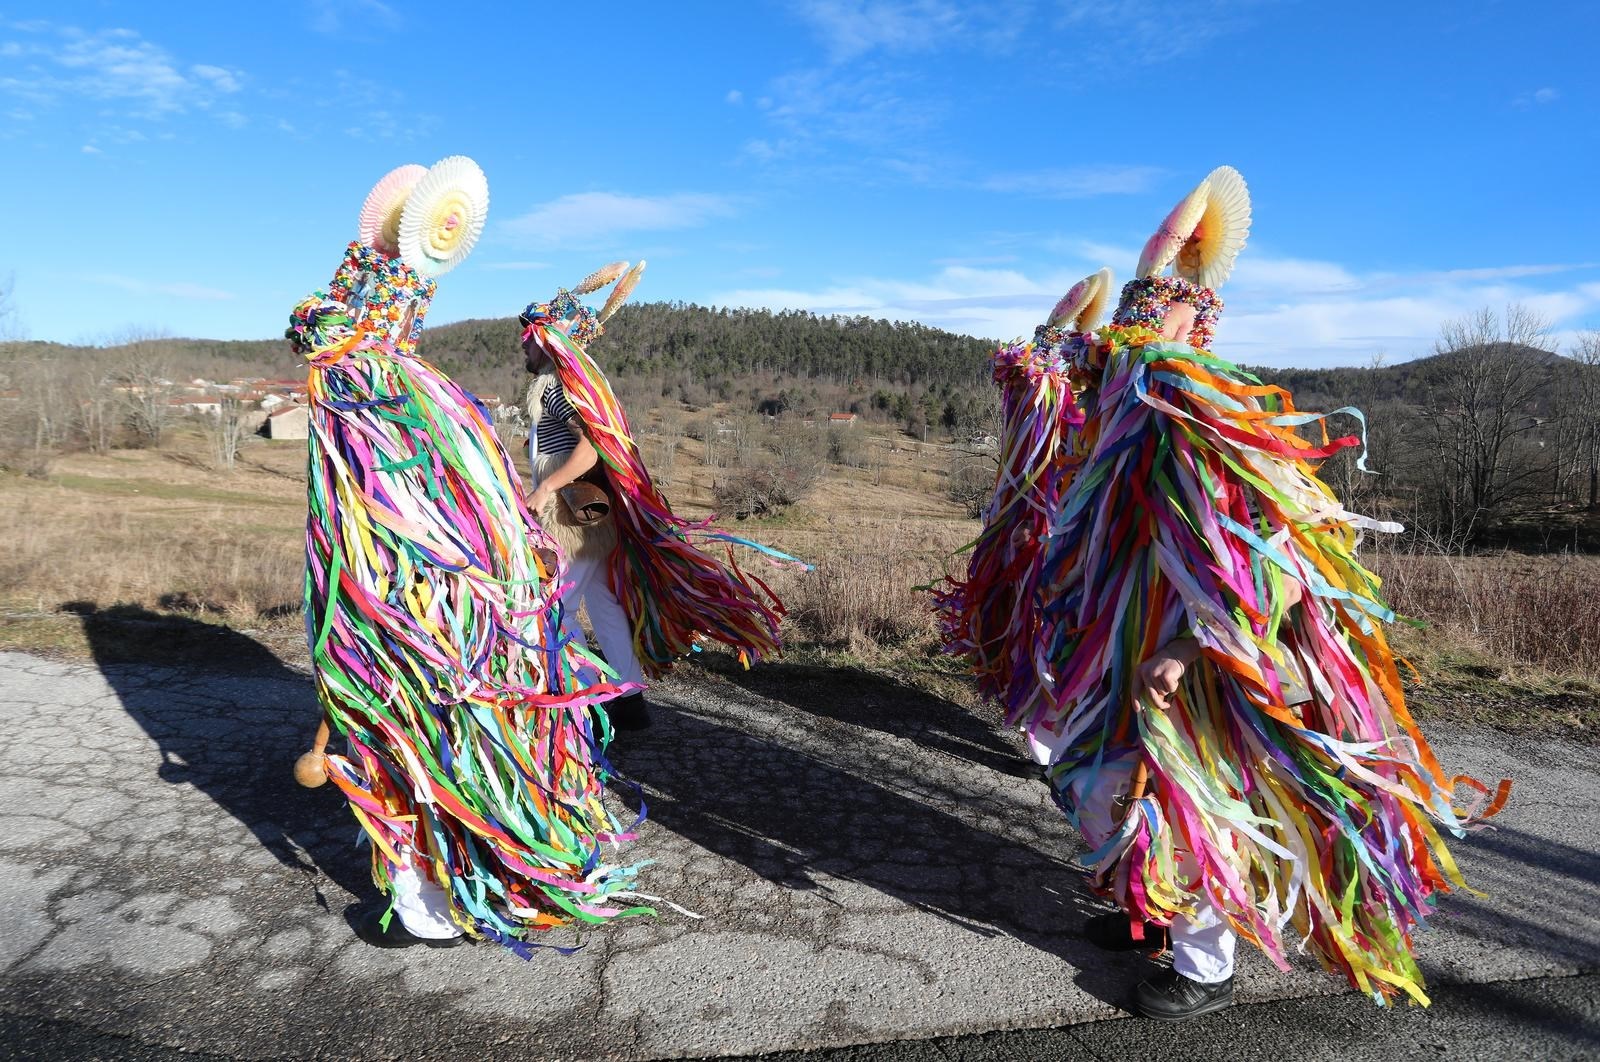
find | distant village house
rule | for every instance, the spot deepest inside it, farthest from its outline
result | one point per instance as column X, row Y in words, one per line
column 288, row 422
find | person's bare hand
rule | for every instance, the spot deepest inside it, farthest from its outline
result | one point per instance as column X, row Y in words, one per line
column 1160, row 676
column 539, row 498
column 1293, row 593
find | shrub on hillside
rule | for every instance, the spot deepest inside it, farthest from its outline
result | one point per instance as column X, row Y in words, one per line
column 971, row 484
column 763, row 489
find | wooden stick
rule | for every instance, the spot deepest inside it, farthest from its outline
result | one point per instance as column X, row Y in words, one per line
column 311, row 769
column 1136, row 789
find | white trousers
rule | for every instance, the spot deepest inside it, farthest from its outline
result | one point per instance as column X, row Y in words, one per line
column 611, row 628
column 1202, row 946
column 422, row 906
column 591, row 588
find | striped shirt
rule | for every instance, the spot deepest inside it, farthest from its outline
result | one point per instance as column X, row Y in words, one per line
column 554, row 431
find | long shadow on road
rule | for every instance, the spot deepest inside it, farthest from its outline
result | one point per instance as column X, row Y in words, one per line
column 229, row 719
column 796, row 819
column 790, row 815
column 878, row 702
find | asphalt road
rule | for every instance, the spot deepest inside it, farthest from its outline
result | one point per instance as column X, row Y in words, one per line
column 874, row 868
column 1553, row 1019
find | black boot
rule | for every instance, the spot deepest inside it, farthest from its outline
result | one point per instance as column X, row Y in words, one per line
column 1170, row 996
column 1112, row 932
column 368, row 925
column 628, row 713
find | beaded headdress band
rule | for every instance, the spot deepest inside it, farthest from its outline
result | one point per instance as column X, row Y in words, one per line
column 1146, row 301
column 581, row 323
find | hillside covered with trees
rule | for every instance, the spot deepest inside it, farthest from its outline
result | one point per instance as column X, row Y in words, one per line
column 1494, row 439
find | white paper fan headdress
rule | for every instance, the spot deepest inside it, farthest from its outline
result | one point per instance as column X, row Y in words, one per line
column 1207, row 256
column 1201, row 238
column 1081, row 308
column 415, row 224
column 443, row 216
column 379, row 223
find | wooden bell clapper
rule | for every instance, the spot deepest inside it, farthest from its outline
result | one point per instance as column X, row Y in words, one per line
column 1141, row 782
column 311, row 769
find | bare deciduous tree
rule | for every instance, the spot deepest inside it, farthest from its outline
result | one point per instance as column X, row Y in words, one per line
column 226, row 432
column 95, row 401
column 760, row 483
column 1585, row 392
column 971, row 483
column 8, row 308
column 39, row 420
column 145, row 385
column 1479, row 415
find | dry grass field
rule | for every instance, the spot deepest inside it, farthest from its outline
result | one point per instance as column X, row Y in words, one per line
column 136, row 533
column 161, row 531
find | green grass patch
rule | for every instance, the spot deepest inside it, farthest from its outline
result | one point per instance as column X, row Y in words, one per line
column 153, row 488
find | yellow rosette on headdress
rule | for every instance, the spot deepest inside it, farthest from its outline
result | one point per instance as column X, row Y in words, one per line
column 444, row 215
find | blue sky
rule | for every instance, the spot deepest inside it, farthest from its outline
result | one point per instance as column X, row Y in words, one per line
column 196, row 168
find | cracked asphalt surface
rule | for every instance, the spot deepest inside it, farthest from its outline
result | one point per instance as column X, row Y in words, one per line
column 873, row 864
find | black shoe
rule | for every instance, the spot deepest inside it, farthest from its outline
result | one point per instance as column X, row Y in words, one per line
column 368, row 925
column 1170, row 996
column 628, row 713
column 1113, row 932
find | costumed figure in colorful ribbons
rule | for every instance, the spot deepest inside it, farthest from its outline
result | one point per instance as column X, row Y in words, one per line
column 989, row 617
column 1223, row 718
column 651, row 593
column 472, row 725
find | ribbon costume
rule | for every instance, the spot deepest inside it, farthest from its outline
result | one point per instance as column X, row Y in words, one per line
column 473, row 728
column 989, row 617
column 672, row 594
column 1291, row 799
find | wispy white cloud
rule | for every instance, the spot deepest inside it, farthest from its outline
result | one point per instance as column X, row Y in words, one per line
column 761, row 150
column 588, row 219
column 225, row 80
column 1092, row 253
column 1081, row 182
column 1538, row 97
column 977, row 260
column 369, row 105
column 1287, row 311
column 329, row 16
column 734, row 97
column 172, row 289
column 860, row 105
column 983, row 302
column 1151, row 30
column 513, row 267
column 851, row 28
column 116, row 68
column 1280, row 311
column 860, row 92
column 875, row 106
column 1271, row 277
